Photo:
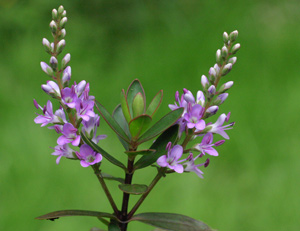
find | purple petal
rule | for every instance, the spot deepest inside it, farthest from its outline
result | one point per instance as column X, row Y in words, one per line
column 176, row 152
column 178, row 168
column 211, row 151
column 84, row 164
column 207, row 139
column 62, row 140
column 200, row 125
column 76, row 142
column 162, row 161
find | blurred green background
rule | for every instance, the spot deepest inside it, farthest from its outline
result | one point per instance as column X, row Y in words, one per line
column 252, row 185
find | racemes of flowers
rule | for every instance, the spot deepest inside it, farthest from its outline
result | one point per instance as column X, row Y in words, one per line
column 76, row 122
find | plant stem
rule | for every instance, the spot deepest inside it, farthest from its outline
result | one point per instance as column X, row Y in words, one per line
column 143, row 197
column 128, row 180
column 108, row 195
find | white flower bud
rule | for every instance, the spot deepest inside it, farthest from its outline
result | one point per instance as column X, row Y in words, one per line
column 65, row 60
column 63, row 22
column 60, row 10
column 60, row 46
column 53, row 63
column 232, row 60
column 54, row 14
column 224, row 52
column 225, row 37
column 219, row 57
column 204, row 82
column 226, row 69
column 53, row 27
column 47, row 45
column 233, row 36
column 235, row 48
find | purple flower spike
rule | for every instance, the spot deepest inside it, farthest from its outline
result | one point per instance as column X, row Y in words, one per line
column 206, row 145
column 69, row 97
column 88, row 156
column 69, row 135
column 219, row 129
column 171, row 159
column 63, row 150
column 194, row 116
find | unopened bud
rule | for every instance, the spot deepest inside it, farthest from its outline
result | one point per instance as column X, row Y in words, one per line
column 64, row 13
column 53, row 27
column 224, row 52
column 235, row 48
column 52, row 89
column 204, row 82
column 63, row 22
column 53, row 63
column 65, row 60
column 54, row 14
column 60, row 46
column 212, row 74
column 211, row 90
column 220, row 99
column 46, row 68
column 233, row 36
column 225, row 37
column 219, row 59
column 225, row 86
column 211, row 111
column 232, row 60
column 47, row 45
column 60, row 10
column 62, row 34
column 227, row 68
column 66, row 76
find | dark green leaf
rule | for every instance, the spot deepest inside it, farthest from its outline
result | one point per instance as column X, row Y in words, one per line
column 125, row 107
column 102, row 152
column 111, row 122
column 134, row 88
column 171, row 221
column 155, row 103
column 119, row 117
column 163, row 124
column 68, row 213
column 170, row 135
column 140, row 152
column 135, row 189
column 113, row 226
column 138, row 125
column 110, row 177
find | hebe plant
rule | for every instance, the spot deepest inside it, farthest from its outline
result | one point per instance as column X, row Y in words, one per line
column 76, row 123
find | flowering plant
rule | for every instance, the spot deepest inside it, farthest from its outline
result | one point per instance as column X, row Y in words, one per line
column 76, row 123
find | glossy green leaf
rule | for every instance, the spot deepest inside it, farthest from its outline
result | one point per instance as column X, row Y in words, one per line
column 163, row 124
column 111, row 122
column 155, row 103
column 102, row 152
column 138, row 105
column 134, row 88
column 171, row 221
column 140, row 152
column 170, row 135
column 135, row 189
column 110, row 177
column 119, row 117
column 138, row 125
column 68, row 213
column 125, row 107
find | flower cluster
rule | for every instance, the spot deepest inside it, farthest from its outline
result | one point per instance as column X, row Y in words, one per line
column 76, row 111
column 197, row 109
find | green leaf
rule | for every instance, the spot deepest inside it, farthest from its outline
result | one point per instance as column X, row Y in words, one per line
column 138, row 105
column 102, row 152
column 135, row 189
column 134, row 88
column 171, row 221
column 119, row 117
column 140, row 152
column 113, row 226
column 155, row 103
column 111, row 122
column 164, row 123
column 170, row 135
column 125, row 107
column 138, row 125
column 110, row 177
column 68, row 213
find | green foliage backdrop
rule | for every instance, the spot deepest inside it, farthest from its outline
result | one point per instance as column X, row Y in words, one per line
column 252, row 185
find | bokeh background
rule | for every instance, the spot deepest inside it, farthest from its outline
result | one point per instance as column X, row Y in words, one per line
column 252, row 185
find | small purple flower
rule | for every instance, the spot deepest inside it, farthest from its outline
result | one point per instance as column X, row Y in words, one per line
column 48, row 116
column 192, row 167
column 219, row 129
column 69, row 97
column 171, row 159
column 193, row 117
column 181, row 103
column 90, row 129
column 206, row 145
column 69, row 135
column 88, row 156
column 63, row 150
column 84, row 109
